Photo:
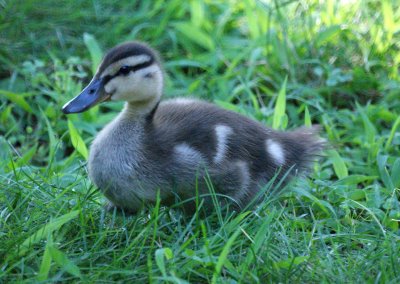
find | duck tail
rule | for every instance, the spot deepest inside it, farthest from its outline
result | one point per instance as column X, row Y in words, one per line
column 303, row 146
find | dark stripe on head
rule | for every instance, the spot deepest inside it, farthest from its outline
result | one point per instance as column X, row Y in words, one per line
column 133, row 68
column 136, row 67
column 126, row 50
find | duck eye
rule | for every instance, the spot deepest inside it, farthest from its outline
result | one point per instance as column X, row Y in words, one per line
column 124, row 70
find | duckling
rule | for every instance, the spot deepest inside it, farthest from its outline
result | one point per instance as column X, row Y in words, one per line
column 176, row 147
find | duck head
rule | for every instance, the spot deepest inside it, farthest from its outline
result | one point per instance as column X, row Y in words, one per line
column 129, row 72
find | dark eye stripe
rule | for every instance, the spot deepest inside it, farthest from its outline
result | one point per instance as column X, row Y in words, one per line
column 107, row 79
column 133, row 68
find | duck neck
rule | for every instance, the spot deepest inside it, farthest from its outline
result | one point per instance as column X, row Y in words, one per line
column 139, row 110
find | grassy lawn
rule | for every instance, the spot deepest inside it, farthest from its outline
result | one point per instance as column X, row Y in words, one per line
column 335, row 63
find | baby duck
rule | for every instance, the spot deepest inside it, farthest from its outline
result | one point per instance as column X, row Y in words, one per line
column 178, row 146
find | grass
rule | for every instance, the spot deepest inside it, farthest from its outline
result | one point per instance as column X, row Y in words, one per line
column 284, row 63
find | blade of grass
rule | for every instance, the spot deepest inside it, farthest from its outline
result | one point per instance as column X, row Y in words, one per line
column 307, row 118
column 195, row 35
column 64, row 262
column 94, row 49
column 159, row 255
column 392, row 133
column 46, row 261
column 339, row 166
column 46, row 230
column 223, row 256
column 52, row 139
column 17, row 99
column 77, row 140
column 280, row 107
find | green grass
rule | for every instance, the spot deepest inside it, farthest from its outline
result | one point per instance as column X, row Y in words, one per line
column 284, row 63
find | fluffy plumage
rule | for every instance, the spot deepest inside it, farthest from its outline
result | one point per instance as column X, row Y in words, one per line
column 177, row 145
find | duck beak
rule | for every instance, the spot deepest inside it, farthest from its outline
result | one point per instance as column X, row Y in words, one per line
column 93, row 94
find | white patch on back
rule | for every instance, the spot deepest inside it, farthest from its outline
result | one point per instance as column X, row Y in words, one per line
column 276, row 151
column 222, row 132
column 183, row 101
column 187, row 154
